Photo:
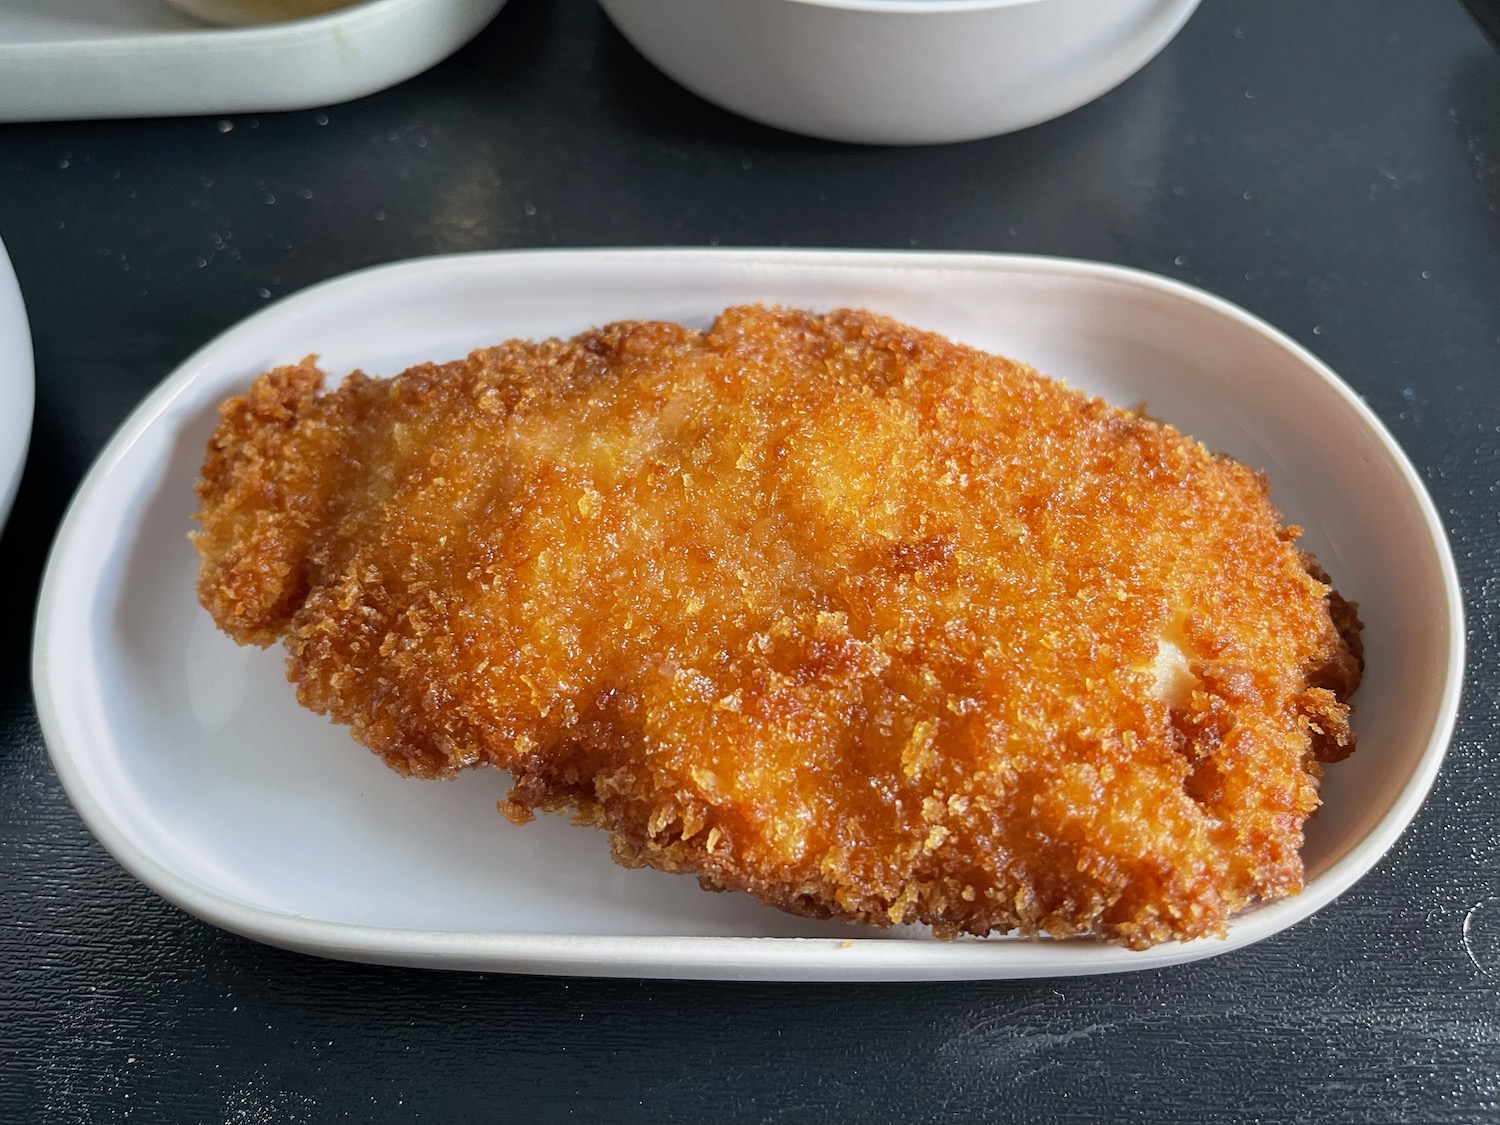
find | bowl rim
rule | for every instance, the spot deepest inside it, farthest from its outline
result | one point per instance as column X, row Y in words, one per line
column 916, row 7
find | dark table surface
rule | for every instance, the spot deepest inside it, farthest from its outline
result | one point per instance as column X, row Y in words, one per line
column 1332, row 166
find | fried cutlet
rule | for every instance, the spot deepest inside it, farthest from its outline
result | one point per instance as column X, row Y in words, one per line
column 823, row 608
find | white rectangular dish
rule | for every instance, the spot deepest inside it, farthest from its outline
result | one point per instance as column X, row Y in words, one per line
column 190, row 760
column 66, row 59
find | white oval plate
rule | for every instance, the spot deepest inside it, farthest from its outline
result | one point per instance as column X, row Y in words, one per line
column 17, row 387
column 65, row 59
column 191, row 762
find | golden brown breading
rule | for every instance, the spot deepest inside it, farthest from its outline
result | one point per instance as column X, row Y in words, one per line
column 826, row 609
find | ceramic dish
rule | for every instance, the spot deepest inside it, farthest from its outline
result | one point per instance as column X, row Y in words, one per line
column 248, row 13
column 900, row 71
column 16, row 385
column 64, row 59
column 193, row 765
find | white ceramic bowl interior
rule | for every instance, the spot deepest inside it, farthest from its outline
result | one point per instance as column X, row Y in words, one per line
column 247, row 13
column 900, row 71
column 190, row 760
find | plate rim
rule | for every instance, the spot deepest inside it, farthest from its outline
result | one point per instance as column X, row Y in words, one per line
column 15, row 428
column 731, row 957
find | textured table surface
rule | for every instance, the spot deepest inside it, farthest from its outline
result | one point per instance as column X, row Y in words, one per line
column 1334, row 167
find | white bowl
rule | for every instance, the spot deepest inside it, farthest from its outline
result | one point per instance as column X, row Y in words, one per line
column 900, row 71
column 193, row 764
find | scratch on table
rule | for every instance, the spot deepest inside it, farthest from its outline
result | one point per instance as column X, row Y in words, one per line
column 1024, row 1040
column 1480, row 939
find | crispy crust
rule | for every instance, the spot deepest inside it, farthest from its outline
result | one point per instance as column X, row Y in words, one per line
column 822, row 608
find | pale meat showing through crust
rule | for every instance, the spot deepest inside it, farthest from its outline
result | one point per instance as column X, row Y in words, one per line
column 822, row 608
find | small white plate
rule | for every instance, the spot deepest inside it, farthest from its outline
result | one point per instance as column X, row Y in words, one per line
column 68, row 59
column 191, row 762
column 17, row 389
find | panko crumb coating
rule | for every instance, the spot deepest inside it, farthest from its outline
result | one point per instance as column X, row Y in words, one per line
column 826, row 609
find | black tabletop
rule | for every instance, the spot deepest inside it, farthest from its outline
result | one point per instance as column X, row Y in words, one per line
column 1332, row 166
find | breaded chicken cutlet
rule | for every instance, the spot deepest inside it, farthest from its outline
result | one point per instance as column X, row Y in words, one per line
column 822, row 608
